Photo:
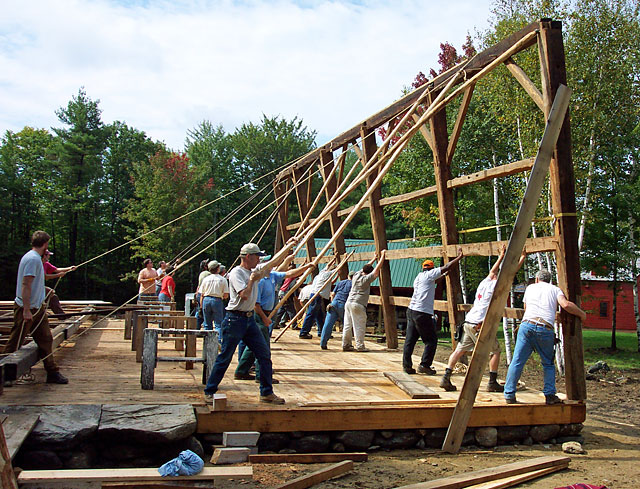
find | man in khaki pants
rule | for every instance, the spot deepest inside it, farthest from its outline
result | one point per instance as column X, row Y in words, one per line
column 30, row 308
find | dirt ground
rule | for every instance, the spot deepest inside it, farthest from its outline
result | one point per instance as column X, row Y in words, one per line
column 612, row 443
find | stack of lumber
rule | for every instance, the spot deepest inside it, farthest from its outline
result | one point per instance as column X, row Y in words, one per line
column 498, row 477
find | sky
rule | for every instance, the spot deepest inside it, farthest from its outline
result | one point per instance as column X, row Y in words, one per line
column 165, row 66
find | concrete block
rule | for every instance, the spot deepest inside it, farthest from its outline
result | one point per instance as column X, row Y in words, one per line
column 233, row 455
column 240, row 438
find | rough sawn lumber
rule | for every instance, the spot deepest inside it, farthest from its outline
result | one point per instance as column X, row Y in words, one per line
column 414, row 389
column 491, row 474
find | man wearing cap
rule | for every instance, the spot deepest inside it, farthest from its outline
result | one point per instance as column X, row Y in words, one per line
column 213, row 291
column 335, row 310
column 355, row 309
column 420, row 323
column 30, row 308
column 204, row 273
column 536, row 332
column 265, row 303
column 239, row 323
column 473, row 322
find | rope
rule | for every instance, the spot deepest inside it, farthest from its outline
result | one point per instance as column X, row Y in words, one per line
column 206, row 204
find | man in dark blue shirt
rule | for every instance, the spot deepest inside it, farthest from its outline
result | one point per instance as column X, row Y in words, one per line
column 335, row 310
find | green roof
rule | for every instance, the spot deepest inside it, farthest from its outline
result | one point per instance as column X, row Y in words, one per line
column 403, row 271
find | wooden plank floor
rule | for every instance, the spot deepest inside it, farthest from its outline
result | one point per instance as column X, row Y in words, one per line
column 102, row 369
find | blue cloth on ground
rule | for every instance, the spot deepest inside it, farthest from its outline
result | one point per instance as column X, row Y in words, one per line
column 187, row 463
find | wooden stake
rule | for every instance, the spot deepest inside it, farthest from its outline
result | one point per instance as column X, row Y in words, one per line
column 509, row 268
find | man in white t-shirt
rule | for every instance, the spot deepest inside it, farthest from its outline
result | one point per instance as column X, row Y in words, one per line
column 355, row 308
column 239, row 323
column 473, row 323
column 420, row 322
column 214, row 290
column 536, row 332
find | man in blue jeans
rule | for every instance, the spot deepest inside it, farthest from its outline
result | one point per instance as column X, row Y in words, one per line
column 214, row 290
column 335, row 310
column 536, row 332
column 240, row 325
column 315, row 308
column 265, row 303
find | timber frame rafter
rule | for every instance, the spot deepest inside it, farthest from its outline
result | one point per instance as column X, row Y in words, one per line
column 431, row 122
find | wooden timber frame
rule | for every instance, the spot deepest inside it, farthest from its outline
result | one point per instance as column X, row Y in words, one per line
column 376, row 159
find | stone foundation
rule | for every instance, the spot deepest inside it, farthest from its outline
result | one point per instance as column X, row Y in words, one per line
column 106, row 436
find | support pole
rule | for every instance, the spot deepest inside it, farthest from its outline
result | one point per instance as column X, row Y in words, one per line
column 327, row 169
column 563, row 202
column 487, row 334
column 303, row 207
column 380, row 239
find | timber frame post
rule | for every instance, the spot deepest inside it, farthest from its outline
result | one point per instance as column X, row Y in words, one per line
column 327, row 169
column 280, row 193
column 446, row 208
column 563, row 202
column 380, row 240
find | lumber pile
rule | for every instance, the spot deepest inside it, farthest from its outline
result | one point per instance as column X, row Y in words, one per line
column 507, row 475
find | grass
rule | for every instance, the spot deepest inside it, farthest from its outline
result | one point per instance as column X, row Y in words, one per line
column 597, row 343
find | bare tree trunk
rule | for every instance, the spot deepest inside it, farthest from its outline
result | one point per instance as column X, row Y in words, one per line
column 587, row 192
column 634, row 273
column 614, row 309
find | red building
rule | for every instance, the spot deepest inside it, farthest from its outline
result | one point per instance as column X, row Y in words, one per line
column 597, row 301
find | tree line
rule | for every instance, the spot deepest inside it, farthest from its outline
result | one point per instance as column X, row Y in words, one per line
column 94, row 186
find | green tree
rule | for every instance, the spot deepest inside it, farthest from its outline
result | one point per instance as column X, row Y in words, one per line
column 78, row 152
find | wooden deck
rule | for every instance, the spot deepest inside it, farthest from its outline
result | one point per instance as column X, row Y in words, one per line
column 325, row 390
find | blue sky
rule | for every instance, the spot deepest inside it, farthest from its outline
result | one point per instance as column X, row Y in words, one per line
column 163, row 67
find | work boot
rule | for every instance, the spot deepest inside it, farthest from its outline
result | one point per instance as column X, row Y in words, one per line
column 553, row 399
column 510, row 400
column 58, row 378
column 426, row 370
column 409, row 370
column 348, row 348
column 244, row 377
column 272, row 399
column 446, row 384
column 306, row 336
column 493, row 385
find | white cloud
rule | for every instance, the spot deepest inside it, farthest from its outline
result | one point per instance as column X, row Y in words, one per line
column 164, row 66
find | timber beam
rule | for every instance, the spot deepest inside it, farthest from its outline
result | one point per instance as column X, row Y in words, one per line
column 490, row 248
column 477, row 177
